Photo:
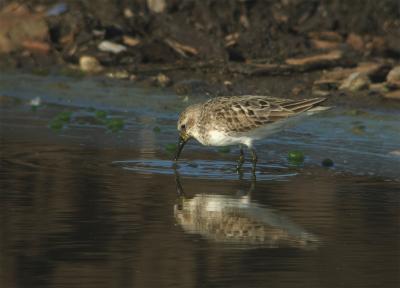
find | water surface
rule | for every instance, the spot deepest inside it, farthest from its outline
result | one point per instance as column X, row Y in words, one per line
column 86, row 207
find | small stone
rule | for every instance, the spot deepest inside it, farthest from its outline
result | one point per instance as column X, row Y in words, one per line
column 329, row 57
column 326, row 35
column 231, row 39
column 108, row 46
column 355, row 41
column 36, row 46
column 156, row 6
column 355, row 82
column 323, row 44
column 392, row 95
column 227, row 83
column 128, row 13
column 35, row 102
column 163, row 80
column 393, row 78
column 327, row 162
column 244, row 20
column 377, row 44
column 119, row 74
column 130, row 41
column 90, row 64
column 379, row 87
column 297, row 90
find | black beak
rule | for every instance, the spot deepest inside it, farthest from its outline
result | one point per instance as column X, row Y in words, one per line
column 181, row 143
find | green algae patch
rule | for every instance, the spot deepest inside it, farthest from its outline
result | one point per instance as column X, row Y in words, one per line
column 296, row 157
column 60, row 120
column 115, row 124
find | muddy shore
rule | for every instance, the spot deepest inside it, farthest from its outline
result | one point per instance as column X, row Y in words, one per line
column 346, row 51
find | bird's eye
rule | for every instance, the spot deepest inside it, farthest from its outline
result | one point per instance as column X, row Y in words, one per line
column 183, row 127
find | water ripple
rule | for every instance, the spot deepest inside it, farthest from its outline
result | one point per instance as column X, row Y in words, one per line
column 206, row 169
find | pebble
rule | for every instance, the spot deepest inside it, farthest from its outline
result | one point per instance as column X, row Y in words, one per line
column 163, row 80
column 355, row 82
column 119, row 74
column 392, row 95
column 355, row 41
column 130, row 41
column 35, row 101
column 393, row 77
column 90, row 64
column 108, row 46
column 157, row 6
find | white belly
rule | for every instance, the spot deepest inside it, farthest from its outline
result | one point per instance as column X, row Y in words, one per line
column 218, row 138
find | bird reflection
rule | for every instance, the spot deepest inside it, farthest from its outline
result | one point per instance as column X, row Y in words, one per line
column 237, row 220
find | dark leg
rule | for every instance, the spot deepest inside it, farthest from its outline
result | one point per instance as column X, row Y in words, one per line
column 240, row 160
column 254, row 160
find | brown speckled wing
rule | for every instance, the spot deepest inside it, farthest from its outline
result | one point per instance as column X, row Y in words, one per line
column 244, row 113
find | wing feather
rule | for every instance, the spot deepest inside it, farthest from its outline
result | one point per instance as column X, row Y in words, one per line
column 244, row 113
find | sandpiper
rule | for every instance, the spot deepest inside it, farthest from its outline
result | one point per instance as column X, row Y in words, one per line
column 223, row 121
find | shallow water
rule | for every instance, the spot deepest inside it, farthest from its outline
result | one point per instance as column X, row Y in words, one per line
column 85, row 207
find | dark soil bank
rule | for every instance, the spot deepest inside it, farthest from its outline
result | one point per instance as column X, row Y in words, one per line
column 216, row 47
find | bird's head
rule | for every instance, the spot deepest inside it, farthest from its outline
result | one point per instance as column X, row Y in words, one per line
column 187, row 126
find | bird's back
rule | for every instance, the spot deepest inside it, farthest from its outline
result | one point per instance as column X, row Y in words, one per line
column 241, row 114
